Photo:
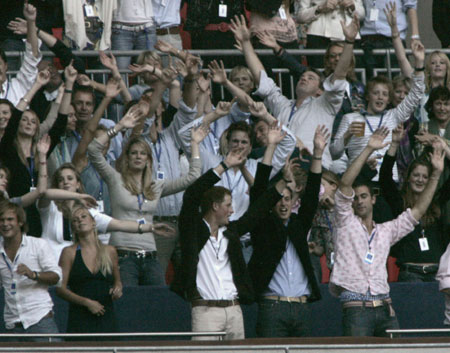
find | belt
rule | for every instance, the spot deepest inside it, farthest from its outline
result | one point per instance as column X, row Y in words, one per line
column 214, row 303
column 374, row 38
column 133, row 28
column 140, row 254
column 48, row 316
column 222, row 27
column 369, row 303
column 303, row 299
column 168, row 30
column 172, row 219
column 423, row 269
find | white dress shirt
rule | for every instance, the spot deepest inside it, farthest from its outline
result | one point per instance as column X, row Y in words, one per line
column 214, row 276
column 14, row 89
column 133, row 11
column 30, row 301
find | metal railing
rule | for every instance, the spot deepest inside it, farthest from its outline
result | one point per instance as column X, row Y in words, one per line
column 52, row 336
column 420, row 330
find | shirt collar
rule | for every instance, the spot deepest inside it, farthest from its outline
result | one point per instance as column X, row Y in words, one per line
column 51, row 96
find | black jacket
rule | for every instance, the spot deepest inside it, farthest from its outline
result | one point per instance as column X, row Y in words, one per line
column 194, row 234
column 269, row 238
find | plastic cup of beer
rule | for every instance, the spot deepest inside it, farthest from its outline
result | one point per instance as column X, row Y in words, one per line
column 361, row 124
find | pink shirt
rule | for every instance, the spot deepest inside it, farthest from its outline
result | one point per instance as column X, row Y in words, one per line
column 351, row 244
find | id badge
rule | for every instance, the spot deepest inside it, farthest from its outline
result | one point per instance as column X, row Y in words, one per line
column 33, row 188
column 373, row 14
column 100, row 206
column 216, row 146
column 13, row 288
column 423, row 242
column 89, row 10
column 222, row 10
column 141, row 220
column 369, row 258
column 332, row 258
column 160, row 175
column 282, row 13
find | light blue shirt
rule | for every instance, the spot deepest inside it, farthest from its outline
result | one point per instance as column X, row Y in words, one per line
column 381, row 26
column 167, row 13
column 289, row 278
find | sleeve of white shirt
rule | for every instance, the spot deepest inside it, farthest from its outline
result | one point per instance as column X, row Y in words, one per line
column 337, row 146
column 47, row 260
column 273, row 98
column 403, row 111
column 236, row 114
column 101, row 220
column 183, row 116
column 283, row 150
column 27, row 74
column 333, row 95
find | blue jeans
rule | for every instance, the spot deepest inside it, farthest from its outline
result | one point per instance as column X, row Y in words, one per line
column 46, row 325
column 129, row 40
column 136, row 271
column 283, row 319
column 366, row 321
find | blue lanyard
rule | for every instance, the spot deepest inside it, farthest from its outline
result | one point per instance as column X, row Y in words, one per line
column 229, row 181
column 324, row 212
column 140, row 202
column 77, row 136
column 368, row 123
column 31, row 168
column 158, row 154
column 214, row 133
column 62, row 150
column 371, row 237
column 7, row 263
column 292, row 113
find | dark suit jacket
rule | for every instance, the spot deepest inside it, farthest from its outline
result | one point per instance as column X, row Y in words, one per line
column 270, row 236
column 194, row 234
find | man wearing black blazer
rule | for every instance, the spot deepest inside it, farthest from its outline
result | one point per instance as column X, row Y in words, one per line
column 213, row 275
column 280, row 268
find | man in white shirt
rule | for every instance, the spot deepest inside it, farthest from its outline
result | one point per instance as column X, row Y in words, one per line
column 27, row 268
column 303, row 115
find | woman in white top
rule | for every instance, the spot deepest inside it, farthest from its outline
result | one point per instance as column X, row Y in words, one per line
column 55, row 215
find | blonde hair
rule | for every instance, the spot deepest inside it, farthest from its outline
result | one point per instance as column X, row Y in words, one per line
column 148, row 54
column 122, row 167
column 35, row 140
column 428, row 80
column 103, row 260
column 238, row 69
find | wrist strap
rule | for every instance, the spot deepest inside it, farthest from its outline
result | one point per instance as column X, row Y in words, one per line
column 419, row 68
column 224, row 166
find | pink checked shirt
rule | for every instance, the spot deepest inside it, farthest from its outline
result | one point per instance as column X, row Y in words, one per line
column 351, row 244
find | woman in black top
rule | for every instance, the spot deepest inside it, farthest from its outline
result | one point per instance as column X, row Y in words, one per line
column 419, row 252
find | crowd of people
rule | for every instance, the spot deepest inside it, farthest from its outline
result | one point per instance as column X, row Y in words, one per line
column 238, row 198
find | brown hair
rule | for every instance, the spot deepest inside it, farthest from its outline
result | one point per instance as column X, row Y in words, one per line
column 7, row 205
column 216, row 194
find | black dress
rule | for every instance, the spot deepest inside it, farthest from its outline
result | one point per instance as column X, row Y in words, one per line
column 95, row 287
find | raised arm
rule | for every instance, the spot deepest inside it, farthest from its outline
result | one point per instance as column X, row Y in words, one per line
column 113, row 88
column 242, row 35
column 350, row 33
column 31, row 197
column 30, row 12
column 425, row 198
column 70, row 75
column 109, row 61
column 42, row 79
column 391, row 16
column 375, row 143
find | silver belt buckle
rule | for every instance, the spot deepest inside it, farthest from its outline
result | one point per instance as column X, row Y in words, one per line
column 140, row 254
column 377, row 303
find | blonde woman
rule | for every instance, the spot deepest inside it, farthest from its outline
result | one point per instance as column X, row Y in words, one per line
column 134, row 194
column 91, row 279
